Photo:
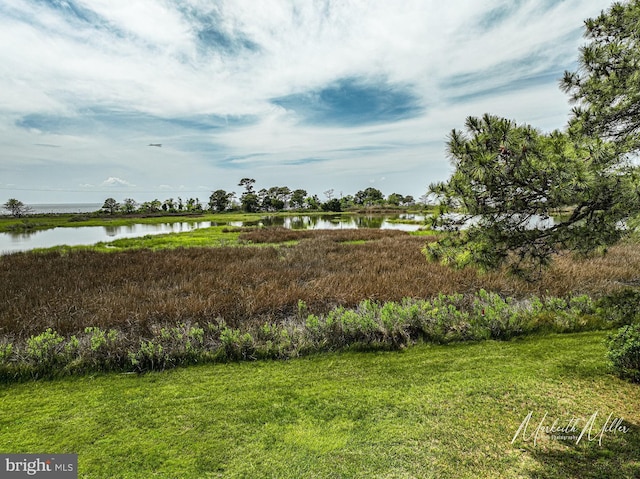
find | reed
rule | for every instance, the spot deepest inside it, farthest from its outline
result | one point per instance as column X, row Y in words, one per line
column 135, row 290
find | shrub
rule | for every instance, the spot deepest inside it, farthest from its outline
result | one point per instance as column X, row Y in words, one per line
column 620, row 308
column 44, row 349
column 624, row 352
column 236, row 345
column 150, row 356
column 497, row 316
column 6, row 350
column 443, row 319
column 370, row 325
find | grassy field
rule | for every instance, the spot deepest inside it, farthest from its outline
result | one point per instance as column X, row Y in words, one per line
column 425, row 412
column 135, row 289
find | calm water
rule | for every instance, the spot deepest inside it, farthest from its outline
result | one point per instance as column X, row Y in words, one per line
column 65, row 208
column 87, row 235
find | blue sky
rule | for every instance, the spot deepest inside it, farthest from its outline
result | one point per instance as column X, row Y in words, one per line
column 318, row 95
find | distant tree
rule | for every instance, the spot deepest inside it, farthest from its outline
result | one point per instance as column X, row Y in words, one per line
column 111, row 206
column 297, row 198
column 347, row 202
column 270, row 200
column 408, row 201
column 395, row 199
column 312, row 202
column 129, row 206
column 332, row 205
column 249, row 200
column 283, row 194
column 16, row 208
column 263, row 201
column 151, row 206
column 275, row 198
column 328, row 193
column 193, row 204
column 220, row 200
column 369, row 197
column 169, row 205
column 247, row 184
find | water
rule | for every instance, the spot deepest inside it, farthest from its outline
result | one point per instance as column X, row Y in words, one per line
column 65, row 208
column 88, row 235
column 340, row 222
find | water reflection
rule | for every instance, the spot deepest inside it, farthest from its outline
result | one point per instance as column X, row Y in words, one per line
column 341, row 222
column 87, row 235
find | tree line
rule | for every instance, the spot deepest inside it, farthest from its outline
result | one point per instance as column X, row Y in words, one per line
column 273, row 199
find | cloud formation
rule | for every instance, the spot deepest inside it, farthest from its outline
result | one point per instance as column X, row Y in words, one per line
column 115, row 182
column 317, row 95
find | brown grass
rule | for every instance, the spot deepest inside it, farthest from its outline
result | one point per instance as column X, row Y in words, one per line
column 135, row 290
column 281, row 235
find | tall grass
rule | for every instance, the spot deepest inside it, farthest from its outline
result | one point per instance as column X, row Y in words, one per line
column 135, row 290
column 140, row 310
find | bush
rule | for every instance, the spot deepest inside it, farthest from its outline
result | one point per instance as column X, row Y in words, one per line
column 624, row 352
column 371, row 325
column 44, row 349
column 620, row 308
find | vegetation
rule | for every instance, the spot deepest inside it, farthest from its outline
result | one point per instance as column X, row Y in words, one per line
column 430, row 411
column 371, row 326
column 304, row 291
column 66, row 290
column 507, row 175
column 276, row 199
column 16, row 208
column 510, row 178
column 606, row 87
column 158, row 302
column 624, row 351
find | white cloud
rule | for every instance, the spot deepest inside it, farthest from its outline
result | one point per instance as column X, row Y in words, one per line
column 113, row 181
column 104, row 82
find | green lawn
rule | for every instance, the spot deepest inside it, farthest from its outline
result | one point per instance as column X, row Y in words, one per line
column 427, row 411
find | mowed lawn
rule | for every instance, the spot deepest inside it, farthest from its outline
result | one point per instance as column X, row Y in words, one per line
column 427, row 411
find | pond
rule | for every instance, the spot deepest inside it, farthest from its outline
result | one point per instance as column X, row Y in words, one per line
column 88, row 235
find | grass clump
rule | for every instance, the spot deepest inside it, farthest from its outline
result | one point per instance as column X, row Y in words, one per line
column 370, row 325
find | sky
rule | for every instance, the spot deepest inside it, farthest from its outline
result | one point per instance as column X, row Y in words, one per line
column 311, row 94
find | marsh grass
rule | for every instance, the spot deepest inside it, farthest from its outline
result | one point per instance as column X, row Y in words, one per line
column 350, row 281
column 133, row 290
column 281, row 235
